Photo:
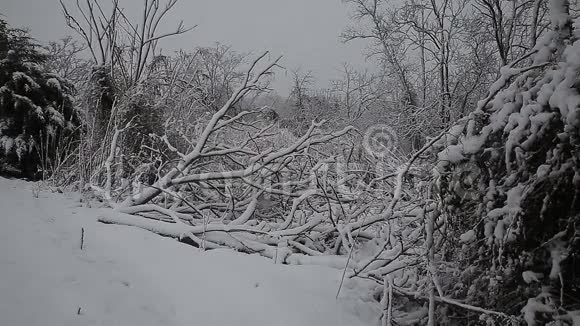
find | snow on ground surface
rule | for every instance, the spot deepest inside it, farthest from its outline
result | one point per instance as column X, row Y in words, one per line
column 128, row 276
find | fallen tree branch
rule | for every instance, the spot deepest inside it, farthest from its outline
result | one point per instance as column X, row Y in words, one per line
column 415, row 295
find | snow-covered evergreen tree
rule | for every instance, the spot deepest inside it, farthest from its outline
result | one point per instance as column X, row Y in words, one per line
column 38, row 119
column 509, row 180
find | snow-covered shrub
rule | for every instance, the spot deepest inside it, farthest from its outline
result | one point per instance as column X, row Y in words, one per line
column 38, row 118
column 516, row 218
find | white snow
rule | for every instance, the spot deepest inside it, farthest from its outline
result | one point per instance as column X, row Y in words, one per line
column 532, row 307
column 54, row 83
column 558, row 13
column 55, row 116
column 129, row 276
column 18, row 76
column 451, row 154
column 467, row 237
column 530, row 277
column 6, row 144
column 558, row 253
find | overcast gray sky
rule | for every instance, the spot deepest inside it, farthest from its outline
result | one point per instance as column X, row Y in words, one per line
column 306, row 32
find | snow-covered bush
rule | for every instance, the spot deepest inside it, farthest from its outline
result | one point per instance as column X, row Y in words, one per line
column 509, row 184
column 38, row 119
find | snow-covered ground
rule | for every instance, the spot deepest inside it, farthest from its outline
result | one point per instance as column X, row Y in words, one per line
column 128, row 276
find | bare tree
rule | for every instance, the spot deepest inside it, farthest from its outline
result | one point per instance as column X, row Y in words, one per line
column 220, row 72
column 301, row 88
column 115, row 41
column 358, row 92
column 123, row 53
column 65, row 59
column 381, row 32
